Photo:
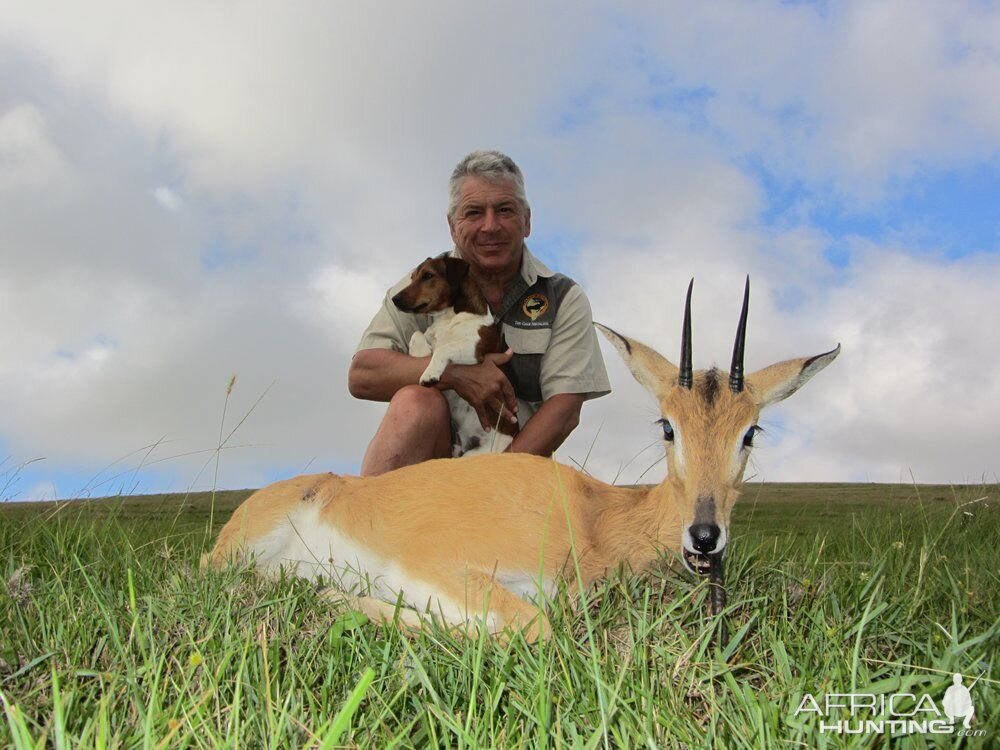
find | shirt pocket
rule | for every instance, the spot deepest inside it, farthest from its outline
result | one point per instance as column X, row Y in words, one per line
column 527, row 340
column 525, row 368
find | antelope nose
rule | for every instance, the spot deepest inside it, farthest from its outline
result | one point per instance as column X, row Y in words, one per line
column 705, row 537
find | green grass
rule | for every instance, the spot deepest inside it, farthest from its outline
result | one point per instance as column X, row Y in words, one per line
column 110, row 636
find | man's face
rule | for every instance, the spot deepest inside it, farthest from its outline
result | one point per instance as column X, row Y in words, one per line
column 489, row 225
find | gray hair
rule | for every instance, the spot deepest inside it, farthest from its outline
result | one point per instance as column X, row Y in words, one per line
column 490, row 165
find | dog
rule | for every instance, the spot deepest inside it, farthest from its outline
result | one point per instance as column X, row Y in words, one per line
column 462, row 332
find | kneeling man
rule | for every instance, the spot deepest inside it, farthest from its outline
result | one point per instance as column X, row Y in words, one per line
column 553, row 363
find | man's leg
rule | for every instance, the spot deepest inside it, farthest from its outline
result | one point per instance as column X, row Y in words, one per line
column 415, row 428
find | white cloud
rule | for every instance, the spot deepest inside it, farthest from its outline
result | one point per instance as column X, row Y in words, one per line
column 346, row 299
column 854, row 95
column 27, row 158
column 189, row 192
column 167, row 198
column 919, row 393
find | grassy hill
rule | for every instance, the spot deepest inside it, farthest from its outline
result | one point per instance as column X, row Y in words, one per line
column 111, row 636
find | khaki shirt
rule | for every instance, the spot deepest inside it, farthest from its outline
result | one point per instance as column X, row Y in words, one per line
column 571, row 360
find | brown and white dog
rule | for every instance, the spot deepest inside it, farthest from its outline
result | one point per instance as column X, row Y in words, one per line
column 462, row 332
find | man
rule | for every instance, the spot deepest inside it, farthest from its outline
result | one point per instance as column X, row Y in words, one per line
column 553, row 359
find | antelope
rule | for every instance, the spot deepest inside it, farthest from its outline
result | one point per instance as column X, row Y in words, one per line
column 484, row 541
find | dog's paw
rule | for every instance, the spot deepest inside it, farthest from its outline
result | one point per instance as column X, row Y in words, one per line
column 432, row 373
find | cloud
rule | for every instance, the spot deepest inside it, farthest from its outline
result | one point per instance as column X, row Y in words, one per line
column 167, row 198
column 189, row 193
column 919, row 381
column 27, row 158
column 851, row 97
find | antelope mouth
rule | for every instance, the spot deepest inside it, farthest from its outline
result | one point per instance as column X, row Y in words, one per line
column 702, row 565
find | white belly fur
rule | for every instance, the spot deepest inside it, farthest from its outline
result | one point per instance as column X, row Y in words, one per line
column 309, row 548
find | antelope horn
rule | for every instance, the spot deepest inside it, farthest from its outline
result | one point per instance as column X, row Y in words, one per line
column 736, row 370
column 684, row 378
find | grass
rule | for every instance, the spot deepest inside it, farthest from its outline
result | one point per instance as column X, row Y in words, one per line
column 110, row 636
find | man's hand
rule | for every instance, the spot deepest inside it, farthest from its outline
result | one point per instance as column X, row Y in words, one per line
column 485, row 387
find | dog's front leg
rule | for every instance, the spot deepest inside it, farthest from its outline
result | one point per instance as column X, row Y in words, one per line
column 460, row 353
column 432, row 373
column 419, row 345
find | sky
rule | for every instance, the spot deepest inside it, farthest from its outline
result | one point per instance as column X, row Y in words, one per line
column 193, row 192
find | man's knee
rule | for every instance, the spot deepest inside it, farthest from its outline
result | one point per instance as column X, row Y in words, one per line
column 417, row 404
column 416, row 427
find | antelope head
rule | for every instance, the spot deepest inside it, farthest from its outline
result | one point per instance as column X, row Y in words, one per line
column 709, row 422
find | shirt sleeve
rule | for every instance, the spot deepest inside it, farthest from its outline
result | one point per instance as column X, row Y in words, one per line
column 572, row 363
column 391, row 328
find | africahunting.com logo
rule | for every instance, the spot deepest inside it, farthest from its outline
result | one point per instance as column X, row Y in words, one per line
column 893, row 713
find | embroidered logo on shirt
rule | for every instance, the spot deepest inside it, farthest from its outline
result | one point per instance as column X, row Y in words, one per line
column 535, row 305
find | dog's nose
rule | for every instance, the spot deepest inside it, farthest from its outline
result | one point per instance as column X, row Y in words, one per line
column 396, row 300
column 705, row 537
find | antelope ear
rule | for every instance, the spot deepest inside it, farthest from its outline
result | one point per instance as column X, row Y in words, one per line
column 779, row 381
column 653, row 371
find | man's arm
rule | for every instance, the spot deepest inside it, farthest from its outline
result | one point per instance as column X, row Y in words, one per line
column 549, row 426
column 376, row 375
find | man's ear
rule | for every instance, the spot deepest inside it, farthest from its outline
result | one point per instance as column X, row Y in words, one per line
column 781, row 380
column 652, row 370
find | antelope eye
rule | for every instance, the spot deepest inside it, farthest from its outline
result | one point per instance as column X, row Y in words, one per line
column 668, row 430
column 748, row 438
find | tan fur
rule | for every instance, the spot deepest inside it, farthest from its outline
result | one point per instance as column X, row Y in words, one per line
column 707, row 470
column 263, row 510
column 456, row 528
column 439, row 283
column 428, row 290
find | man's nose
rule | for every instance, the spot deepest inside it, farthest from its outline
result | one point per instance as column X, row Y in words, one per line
column 705, row 537
column 490, row 222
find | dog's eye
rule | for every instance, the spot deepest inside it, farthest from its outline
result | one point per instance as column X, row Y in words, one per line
column 751, row 433
column 668, row 430
column 427, row 276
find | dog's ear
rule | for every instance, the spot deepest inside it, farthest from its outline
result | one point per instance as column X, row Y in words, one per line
column 456, row 270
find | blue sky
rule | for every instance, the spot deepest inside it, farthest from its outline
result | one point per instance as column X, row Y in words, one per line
column 945, row 211
column 189, row 194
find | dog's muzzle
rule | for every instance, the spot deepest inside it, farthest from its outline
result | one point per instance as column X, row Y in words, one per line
column 399, row 301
